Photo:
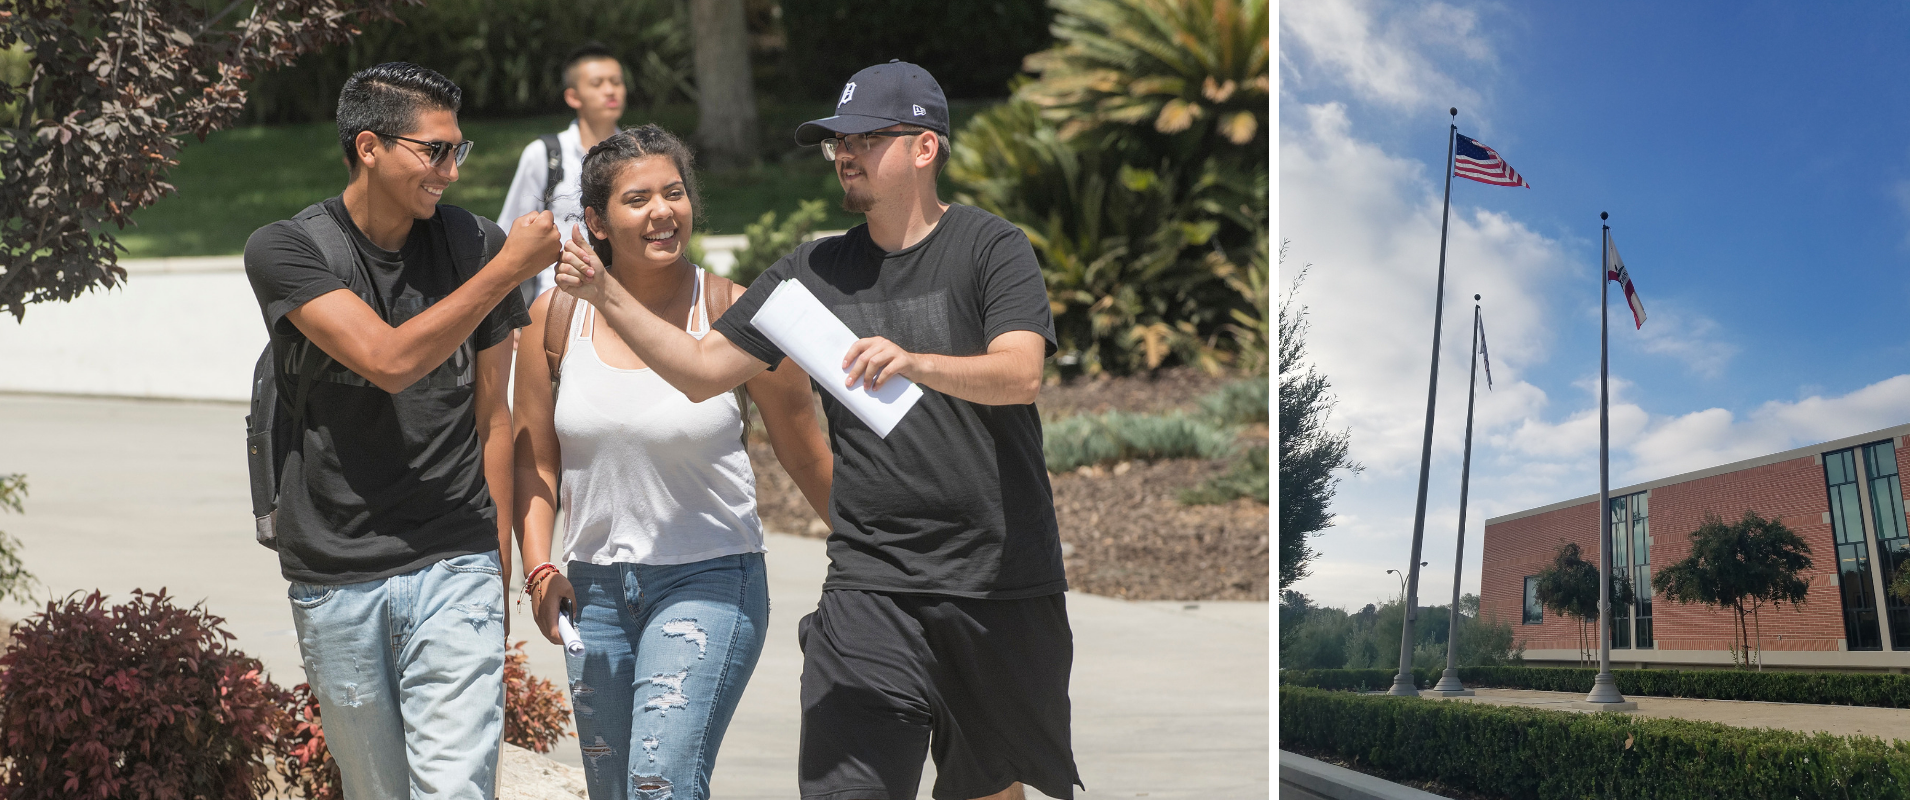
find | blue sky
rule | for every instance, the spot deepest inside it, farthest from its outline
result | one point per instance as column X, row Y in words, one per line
column 1755, row 158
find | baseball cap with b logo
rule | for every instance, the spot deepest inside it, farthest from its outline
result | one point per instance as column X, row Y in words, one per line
column 886, row 94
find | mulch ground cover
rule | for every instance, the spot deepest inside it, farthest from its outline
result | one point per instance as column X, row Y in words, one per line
column 1125, row 532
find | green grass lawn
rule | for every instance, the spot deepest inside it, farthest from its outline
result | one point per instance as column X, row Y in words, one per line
column 238, row 180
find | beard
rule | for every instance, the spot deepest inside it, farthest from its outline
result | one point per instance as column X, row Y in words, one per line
column 857, row 201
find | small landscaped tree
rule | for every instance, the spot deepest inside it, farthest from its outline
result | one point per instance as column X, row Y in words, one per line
column 1568, row 587
column 1742, row 566
column 91, row 126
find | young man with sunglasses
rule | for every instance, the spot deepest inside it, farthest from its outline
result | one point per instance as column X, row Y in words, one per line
column 593, row 85
column 390, row 318
column 942, row 629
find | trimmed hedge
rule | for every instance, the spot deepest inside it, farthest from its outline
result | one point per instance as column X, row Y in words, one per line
column 1820, row 688
column 1526, row 752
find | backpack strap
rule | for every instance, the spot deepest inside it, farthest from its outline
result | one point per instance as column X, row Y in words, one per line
column 342, row 259
column 553, row 168
column 468, row 239
column 563, row 306
column 717, row 296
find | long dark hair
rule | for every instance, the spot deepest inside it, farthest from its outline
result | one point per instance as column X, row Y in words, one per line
column 607, row 160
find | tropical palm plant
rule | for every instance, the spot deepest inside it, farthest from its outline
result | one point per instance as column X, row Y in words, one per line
column 1148, row 209
column 1193, row 70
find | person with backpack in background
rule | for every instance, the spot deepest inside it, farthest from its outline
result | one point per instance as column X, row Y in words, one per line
column 662, row 547
column 549, row 170
column 390, row 317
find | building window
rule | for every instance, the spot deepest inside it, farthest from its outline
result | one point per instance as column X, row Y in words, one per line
column 1893, row 541
column 1534, row 613
column 1641, row 566
column 1621, row 569
column 1853, row 551
column 1631, row 563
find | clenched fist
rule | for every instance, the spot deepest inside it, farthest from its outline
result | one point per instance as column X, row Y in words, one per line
column 530, row 245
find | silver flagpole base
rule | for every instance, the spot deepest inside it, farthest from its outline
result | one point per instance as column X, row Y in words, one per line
column 1449, row 685
column 1403, row 686
column 1605, row 696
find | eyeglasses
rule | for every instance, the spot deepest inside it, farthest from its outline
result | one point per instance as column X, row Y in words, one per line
column 439, row 149
column 856, row 144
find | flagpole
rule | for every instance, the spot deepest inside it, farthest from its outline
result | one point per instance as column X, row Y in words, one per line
column 1449, row 685
column 1605, row 692
column 1403, row 683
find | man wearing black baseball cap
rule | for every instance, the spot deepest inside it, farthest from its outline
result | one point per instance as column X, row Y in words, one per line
column 943, row 627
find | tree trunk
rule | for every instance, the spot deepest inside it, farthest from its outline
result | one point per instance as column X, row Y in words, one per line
column 1760, row 637
column 726, row 102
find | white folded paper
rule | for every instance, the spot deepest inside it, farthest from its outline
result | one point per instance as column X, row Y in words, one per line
column 816, row 340
column 573, row 644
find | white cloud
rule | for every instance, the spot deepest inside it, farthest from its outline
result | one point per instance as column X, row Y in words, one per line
column 1715, row 436
column 1380, row 50
column 1691, row 338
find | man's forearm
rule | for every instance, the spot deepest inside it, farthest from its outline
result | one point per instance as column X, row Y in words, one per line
column 678, row 358
column 423, row 342
column 994, row 379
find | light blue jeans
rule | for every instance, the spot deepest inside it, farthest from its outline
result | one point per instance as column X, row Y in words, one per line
column 667, row 651
column 409, row 675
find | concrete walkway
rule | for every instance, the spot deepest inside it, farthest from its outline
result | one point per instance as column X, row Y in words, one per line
column 1170, row 699
column 1886, row 723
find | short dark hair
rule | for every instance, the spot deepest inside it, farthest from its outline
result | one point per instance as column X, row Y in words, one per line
column 588, row 51
column 607, row 159
column 386, row 99
column 941, row 146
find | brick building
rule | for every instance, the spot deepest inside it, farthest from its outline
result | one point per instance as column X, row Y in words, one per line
column 1844, row 498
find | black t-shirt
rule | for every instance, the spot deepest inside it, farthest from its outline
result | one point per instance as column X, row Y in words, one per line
column 956, row 500
column 382, row 484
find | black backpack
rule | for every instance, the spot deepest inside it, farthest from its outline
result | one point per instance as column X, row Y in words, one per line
column 265, row 439
column 553, row 175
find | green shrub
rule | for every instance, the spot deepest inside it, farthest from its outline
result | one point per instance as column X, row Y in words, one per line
column 769, row 240
column 1247, row 478
column 1526, row 752
column 1238, row 403
column 504, row 54
column 1119, row 436
column 972, row 47
column 1817, row 688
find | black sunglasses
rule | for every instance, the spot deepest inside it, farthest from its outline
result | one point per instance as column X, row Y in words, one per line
column 439, row 149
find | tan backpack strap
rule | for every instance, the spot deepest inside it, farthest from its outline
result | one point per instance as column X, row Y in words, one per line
column 563, row 307
column 717, row 291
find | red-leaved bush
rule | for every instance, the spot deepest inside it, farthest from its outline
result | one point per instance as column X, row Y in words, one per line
column 141, row 700
column 535, row 715
column 304, row 763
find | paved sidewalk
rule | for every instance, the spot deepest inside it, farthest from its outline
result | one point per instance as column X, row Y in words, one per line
column 1170, row 699
column 1886, row 723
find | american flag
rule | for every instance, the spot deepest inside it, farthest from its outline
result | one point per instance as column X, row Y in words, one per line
column 1470, row 159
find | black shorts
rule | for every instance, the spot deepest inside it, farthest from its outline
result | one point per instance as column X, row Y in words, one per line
column 980, row 684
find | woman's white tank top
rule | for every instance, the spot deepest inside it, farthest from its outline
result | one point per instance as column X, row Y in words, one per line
column 649, row 477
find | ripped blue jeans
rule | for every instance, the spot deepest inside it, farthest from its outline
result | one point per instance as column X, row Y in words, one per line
column 409, row 675
column 667, row 651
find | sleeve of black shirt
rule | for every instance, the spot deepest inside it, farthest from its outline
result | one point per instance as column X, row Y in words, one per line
column 735, row 325
column 286, row 270
column 509, row 313
column 1014, row 295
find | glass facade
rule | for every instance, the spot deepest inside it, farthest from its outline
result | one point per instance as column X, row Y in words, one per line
column 1621, row 571
column 1534, row 613
column 1893, row 540
column 1629, row 517
column 1853, row 551
column 1641, row 567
